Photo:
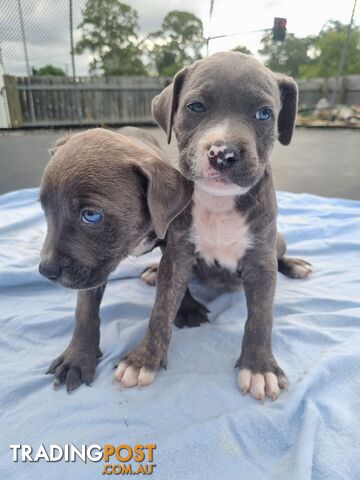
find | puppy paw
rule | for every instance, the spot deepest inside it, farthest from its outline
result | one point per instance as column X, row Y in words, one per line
column 260, row 375
column 261, row 384
column 149, row 274
column 138, row 368
column 294, row 267
column 191, row 315
column 130, row 376
column 74, row 367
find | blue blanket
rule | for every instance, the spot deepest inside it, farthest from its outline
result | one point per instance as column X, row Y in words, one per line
column 202, row 427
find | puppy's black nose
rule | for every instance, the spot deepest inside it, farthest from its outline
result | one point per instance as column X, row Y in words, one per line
column 51, row 271
column 222, row 156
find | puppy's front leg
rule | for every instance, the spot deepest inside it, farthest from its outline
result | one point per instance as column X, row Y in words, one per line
column 76, row 365
column 139, row 367
column 259, row 372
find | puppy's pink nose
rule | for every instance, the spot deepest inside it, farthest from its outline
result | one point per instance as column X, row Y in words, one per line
column 222, row 156
column 217, row 149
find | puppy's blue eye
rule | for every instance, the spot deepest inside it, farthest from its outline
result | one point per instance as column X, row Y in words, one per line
column 264, row 113
column 196, row 107
column 91, row 217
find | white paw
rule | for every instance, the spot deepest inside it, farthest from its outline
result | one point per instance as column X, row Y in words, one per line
column 129, row 376
column 302, row 271
column 300, row 268
column 259, row 384
column 149, row 275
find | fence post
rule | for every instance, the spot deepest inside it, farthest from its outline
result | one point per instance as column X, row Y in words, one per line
column 72, row 52
column 13, row 101
column 343, row 89
column 4, row 109
column 325, row 88
column 22, row 27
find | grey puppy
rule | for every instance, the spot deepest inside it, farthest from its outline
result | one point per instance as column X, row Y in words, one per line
column 227, row 111
column 107, row 195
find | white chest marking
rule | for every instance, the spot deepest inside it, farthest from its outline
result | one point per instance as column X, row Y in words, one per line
column 220, row 233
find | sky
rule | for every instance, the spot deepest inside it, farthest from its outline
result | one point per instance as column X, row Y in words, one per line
column 47, row 25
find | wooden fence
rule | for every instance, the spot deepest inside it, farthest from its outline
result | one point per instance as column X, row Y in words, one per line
column 57, row 101
column 310, row 91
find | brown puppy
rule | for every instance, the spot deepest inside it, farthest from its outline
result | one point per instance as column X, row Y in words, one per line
column 106, row 195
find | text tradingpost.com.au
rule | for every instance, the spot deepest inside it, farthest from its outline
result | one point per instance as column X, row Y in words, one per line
column 141, row 456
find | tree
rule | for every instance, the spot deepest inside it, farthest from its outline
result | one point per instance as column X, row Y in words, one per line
column 185, row 29
column 242, row 49
column 166, row 60
column 123, row 62
column 287, row 56
column 316, row 56
column 49, row 70
column 327, row 51
column 109, row 32
column 178, row 42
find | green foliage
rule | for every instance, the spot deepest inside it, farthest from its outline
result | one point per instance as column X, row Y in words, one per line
column 49, row 70
column 179, row 42
column 166, row 59
column 186, row 29
column 126, row 61
column 328, row 45
column 287, row 56
column 109, row 32
column 316, row 56
column 242, row 49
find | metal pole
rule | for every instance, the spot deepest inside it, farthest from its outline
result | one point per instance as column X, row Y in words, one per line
column 72, row 39
column 72, row 53
column 341, row 63
column 211, row 7
column 210, row 17
column 22, row 27
column 24, row 39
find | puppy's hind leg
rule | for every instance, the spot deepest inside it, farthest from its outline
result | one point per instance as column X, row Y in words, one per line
column 191, row 312
column 150, row 273
column 289, row 266
column 294, row 267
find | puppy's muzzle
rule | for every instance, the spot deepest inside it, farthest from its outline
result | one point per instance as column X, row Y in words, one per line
column 50, row 270
column 222, row 156
column 53, row 267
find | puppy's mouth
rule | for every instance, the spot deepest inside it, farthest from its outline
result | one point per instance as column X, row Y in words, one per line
column 227, row 177
column 215, row 178
column 218, row 184
column 87, row 281
column 75, row 284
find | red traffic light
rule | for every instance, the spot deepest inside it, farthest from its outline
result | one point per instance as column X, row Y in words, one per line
column 279, row 29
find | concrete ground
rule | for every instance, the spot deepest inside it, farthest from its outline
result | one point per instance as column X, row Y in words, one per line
column 323, row 162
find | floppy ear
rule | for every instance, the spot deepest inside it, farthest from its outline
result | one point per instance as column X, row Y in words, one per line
column 168, row 193
column 59, row 143
column 287, row 116
column 165, row 104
